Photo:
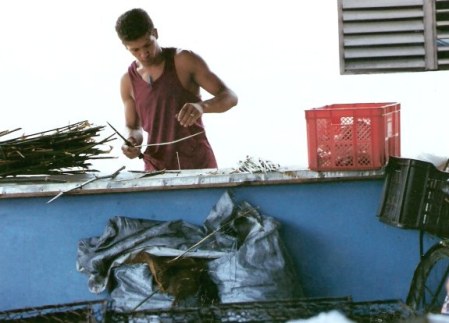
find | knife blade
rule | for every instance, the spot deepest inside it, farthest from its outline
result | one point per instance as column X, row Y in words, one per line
column 127, row 142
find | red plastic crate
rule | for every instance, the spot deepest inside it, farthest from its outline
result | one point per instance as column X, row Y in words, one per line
column 356, row 136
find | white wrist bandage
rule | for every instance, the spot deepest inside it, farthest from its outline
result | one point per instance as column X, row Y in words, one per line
column 198, row 107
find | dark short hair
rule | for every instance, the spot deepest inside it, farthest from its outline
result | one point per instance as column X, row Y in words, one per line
column 133, row 24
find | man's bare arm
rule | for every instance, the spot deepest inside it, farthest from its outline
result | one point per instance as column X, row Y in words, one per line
column 132, row 121
column 223, row 98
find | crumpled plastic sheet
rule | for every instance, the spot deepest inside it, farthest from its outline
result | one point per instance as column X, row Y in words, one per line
column 247, row 259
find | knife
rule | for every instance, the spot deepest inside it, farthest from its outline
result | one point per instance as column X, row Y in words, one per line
column 127, row 142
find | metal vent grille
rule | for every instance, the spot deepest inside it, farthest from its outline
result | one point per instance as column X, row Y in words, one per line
column 442, row 33
column 389, row 35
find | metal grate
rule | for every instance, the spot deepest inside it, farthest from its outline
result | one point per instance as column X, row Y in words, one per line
column 90, row 312
column 265, row 311
column 273, row 311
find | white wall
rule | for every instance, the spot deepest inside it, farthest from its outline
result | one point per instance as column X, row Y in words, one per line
column 60, row 62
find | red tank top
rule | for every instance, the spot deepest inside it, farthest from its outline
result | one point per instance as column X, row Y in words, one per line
column 157, row 105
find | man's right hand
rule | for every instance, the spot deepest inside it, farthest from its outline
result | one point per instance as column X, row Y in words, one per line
column 131, row 152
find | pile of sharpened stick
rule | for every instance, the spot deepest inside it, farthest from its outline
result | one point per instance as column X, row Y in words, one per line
column 61, row 151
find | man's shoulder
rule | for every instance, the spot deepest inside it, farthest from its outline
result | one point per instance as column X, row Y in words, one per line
column 176, row 52
column 185, row 55
column 181, row 51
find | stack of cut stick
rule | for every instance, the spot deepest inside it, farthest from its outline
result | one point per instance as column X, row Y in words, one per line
column 61, row 151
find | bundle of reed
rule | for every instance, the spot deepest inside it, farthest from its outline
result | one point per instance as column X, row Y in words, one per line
column 61, row 151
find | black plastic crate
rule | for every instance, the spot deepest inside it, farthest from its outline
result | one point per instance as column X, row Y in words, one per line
column 435, row 215
column 415, row 196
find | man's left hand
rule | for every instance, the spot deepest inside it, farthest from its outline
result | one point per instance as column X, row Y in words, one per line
column 190, row 113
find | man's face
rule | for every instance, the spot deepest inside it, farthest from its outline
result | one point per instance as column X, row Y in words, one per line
column 145, row 49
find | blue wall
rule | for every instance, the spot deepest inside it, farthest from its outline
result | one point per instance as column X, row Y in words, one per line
column 338, row 245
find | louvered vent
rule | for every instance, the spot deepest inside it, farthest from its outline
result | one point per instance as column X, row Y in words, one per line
column 442, row 33
column 379, row 36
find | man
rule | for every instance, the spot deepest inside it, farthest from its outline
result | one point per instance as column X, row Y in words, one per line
column 161, row 95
